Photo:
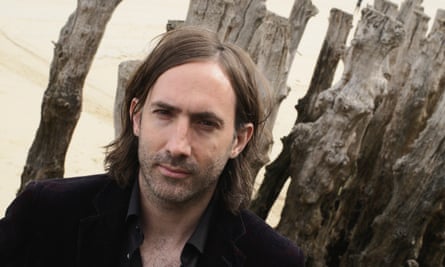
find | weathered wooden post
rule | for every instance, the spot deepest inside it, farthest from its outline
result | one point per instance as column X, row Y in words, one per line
column 277, row 173
column 416, row 203
column 386, row 7
column 62, row 101
column 389, row 134
column 324, row 152
column 125, row 71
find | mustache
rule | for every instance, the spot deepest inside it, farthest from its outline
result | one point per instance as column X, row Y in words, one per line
column 183, row 163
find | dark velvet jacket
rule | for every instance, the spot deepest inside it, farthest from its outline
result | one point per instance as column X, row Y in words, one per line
column 81, row 222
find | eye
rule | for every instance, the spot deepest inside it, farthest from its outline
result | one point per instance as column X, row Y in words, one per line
column 208, row 125
column 162, row 113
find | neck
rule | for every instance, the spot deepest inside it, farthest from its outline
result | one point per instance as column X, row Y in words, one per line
column 171, row 221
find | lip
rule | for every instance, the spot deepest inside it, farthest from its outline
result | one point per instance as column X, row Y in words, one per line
column 173, row 172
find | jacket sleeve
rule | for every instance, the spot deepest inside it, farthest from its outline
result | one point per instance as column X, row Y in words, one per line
column 16, row 228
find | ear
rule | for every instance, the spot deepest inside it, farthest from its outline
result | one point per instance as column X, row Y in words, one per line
column 135, row 117
column 243, row 136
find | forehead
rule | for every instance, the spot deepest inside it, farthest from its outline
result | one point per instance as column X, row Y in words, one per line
column 196, row 86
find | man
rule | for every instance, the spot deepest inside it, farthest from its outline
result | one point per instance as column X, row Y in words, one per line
column 174, row 194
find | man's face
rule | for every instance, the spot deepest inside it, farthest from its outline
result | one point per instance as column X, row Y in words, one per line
column 186, row 132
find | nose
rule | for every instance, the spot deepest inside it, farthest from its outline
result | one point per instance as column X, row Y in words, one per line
column 178, row 142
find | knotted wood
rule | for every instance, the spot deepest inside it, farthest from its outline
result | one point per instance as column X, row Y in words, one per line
column 62, row 100
column 416, row 203
column 277, row 172
column 324, row 152
column 367, row 183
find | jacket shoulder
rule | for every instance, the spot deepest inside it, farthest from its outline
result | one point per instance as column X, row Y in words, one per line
column 264, row 246
column 68, row 193
column 46, row 213
column 89, row 182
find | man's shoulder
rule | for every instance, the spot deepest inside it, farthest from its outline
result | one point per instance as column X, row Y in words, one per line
column 66, row 186
column 46, row 217
column 87, row 180
column 267, row 244
column 258, row 228
column 63, row 194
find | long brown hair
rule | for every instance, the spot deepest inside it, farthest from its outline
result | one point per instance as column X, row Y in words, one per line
column 181, row 46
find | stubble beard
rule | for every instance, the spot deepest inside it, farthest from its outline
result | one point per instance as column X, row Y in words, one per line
column 167, row 190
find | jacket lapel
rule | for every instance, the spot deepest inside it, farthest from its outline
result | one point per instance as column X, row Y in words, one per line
column 100, row 234
column 221, row 249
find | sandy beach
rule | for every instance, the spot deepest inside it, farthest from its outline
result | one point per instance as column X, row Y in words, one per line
column 28, row 30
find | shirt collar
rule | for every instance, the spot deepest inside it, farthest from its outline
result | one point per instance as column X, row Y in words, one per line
column 199, row 236
column 197, row 239
column 134, row 205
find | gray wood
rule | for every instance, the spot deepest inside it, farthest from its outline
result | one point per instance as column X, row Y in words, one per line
column 62, row 100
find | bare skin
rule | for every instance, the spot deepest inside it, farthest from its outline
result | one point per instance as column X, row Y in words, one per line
column 166, row 231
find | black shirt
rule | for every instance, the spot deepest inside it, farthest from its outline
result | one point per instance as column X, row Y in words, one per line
column 192, row 250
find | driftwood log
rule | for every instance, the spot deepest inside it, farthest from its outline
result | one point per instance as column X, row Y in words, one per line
column 417, row 160
column 62, row 100
column 367, row 166
column 278, row 171
column 324, row 152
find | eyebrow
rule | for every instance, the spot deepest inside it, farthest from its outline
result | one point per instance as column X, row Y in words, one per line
column 208, row 115
column 160, row 104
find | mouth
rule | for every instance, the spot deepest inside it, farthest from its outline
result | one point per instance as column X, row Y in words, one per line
column 173, row 172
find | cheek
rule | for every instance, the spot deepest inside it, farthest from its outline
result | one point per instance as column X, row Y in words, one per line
column 217, row 150
column 151, row 139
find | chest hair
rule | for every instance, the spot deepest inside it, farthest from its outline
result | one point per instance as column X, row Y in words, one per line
column 160, row 253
